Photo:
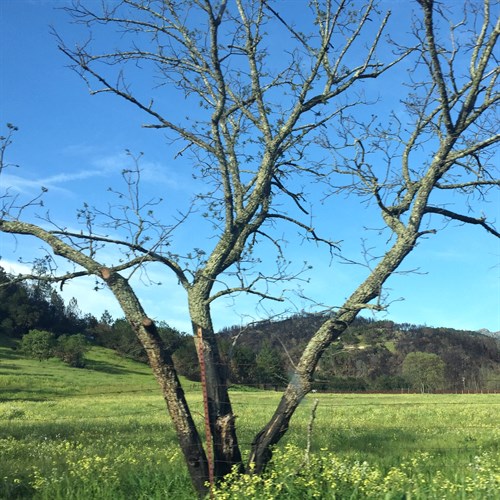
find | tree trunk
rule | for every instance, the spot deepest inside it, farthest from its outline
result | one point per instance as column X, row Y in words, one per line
column 163, row 368
column 221, row 418
column 298, row 387
column 331, row 330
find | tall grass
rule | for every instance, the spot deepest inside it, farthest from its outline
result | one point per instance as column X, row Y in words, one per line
column 103, row 433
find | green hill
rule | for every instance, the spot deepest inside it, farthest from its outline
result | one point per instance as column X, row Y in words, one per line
column 368, row 356
column 106, row 372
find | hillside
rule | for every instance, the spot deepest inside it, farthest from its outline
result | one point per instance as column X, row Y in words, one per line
column 105, row 372
column 370, row 354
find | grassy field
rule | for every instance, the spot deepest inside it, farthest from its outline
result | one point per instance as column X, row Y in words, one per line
column 103, row 432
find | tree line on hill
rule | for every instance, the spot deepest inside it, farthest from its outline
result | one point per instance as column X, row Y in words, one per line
column 376, row 355
column 36, row 308
column 370, row 356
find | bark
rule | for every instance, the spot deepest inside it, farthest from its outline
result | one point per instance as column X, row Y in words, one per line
column 163, row 368
column 221, row 417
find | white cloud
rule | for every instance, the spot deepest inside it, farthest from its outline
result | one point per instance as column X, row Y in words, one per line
column 90, row 300
column 14, row 268
column 159, row 174
column 111, row 163
column 53, row 182
column 99, row 167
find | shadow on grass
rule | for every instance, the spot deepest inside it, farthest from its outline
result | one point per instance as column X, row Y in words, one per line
column 375, row 442
column 103, row 367
column 378, row 442
column 6, row 367
column 6, row 353
column 11, row 395
column 90, row 428
column 24, row 373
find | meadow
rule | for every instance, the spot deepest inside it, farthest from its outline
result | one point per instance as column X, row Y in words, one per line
column 103, row 433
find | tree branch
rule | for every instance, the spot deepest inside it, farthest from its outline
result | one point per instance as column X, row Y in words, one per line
column 462, row 218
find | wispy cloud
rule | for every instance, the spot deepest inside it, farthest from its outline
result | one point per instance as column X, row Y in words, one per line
column 56, row 182
column 159, row 174
column 61, row 182
column 99, row 167
column 14, row 268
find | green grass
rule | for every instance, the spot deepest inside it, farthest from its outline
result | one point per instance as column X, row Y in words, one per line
column 390, row 345
column 106, row 372
column 103, row 432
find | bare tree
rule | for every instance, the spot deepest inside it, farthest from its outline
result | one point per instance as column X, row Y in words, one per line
column 260, row 120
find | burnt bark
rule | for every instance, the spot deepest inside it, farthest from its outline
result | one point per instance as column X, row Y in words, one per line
column 220, row 414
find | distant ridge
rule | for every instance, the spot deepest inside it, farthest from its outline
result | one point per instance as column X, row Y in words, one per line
column 485, row 331
column 369, row 355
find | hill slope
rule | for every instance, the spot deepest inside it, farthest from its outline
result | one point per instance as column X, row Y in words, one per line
column 106, row 372
column 370, row 353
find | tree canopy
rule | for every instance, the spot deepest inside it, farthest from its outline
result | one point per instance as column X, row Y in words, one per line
column 269, row 117
column 424, row 370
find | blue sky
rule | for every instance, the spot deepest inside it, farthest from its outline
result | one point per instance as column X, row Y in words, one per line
column 74, row 143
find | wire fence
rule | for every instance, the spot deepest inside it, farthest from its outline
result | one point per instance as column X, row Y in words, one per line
column 264, row 389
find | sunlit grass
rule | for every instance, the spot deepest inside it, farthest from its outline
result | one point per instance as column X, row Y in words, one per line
column 105, row 371
column 103, row 432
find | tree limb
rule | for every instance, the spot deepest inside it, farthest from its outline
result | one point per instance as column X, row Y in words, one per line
column 462, row 218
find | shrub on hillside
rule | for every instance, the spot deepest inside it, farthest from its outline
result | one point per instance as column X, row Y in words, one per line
column 38, row 344
column 71, row 349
